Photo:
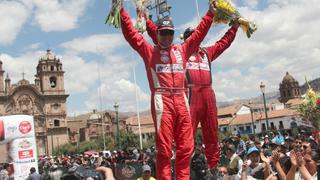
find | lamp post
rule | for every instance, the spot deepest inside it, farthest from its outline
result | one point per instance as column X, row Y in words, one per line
column 263, row 88
column 51, row 127
column 103, row 132
column 116, row 108
column 252, row 122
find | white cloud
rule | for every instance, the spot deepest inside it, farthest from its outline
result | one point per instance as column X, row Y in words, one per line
column 101, row 43
column 15, row 65
column 59, row 15
column 121, row 91
column 115, row 71
column 13, row 15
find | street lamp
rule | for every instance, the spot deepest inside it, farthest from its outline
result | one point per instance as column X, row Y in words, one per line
column 51, row 126
column 252, row 122
column 116, row 108
column 263, row 88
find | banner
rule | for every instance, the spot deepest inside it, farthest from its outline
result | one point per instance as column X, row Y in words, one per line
column 18, row 133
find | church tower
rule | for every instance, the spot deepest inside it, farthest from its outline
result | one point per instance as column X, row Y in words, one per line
column 50, row 74
column 289, row 88
column 1, row 79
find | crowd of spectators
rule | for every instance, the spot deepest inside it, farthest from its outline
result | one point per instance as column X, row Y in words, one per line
column 272, row 156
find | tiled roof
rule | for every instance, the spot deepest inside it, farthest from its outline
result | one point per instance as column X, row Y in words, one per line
column 224, row 121
column 229, row 109
column 294, row 102
column 246, row 118
column 144, row 120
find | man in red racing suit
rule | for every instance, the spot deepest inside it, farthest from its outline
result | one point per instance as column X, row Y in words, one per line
column 201, row 95
column 165, row 66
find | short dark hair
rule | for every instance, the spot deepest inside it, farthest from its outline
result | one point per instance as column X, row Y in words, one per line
column 230, row 147
column 32, row 170
column 6, row 165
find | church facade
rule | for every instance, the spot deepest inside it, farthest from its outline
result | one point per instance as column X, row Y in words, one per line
column 45, row 99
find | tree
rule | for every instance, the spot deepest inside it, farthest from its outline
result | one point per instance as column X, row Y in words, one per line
column 128, row 140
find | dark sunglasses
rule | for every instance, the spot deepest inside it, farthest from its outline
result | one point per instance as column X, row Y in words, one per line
column 166, row 33
column 305, row 147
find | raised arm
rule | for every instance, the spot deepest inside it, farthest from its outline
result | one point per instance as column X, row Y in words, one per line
column 152, row 30
column 221, row 45
column 192, row 44
column 134, row 38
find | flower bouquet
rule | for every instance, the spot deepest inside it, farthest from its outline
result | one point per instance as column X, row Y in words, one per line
column 113, row 18
column 226, row 13
column 142, row 13
column 310, row 108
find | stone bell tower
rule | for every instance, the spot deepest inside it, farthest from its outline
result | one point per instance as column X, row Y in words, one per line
column 50, row 74
column 289, row 88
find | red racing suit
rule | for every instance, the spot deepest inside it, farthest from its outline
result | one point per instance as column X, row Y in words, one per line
column 170, row 110
column 202, row 99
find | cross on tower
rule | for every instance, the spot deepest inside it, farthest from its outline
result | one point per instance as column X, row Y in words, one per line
column 23, row 73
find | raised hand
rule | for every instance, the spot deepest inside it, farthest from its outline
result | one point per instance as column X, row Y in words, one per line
column 212, row 6
column 293, row 158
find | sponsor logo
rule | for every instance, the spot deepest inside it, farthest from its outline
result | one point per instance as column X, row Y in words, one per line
column 25, row 144
column 192, row 58
column 205, row 59
column 164, row 59
column 164, row 52
column 11, row 129
column 25, row 154
column 169, row 68
column 24, row 127
column 166, row 22
column 25, row 161
column 204, row 66
column 198, row 66
column 178, row 56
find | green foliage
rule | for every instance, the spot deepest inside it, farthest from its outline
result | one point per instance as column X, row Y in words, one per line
column 128, row 140
column 224, row 135
column 310, row 108
column 245, row 137
column 95, row 145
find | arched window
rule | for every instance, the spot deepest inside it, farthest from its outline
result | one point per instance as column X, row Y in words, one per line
column 52, row 68
column 53, row 82
column 56, row 123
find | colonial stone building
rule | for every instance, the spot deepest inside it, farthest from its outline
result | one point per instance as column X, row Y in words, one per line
column 45, row 100
column 91, row 126
column 289, row 88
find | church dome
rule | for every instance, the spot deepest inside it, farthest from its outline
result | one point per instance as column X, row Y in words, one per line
column 23, row 82
column 48, row 56
column 94, row 115
column 288, row 79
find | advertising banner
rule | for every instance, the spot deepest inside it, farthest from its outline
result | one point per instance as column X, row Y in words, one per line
column 18, row 133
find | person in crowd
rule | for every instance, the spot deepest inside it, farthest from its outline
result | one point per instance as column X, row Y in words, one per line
column 252, row 168
column 241, row 146
column 235, row 163
column 4, row 173
column 199, row 164
column 146, row 173
column 33, row 175
column 55, row 173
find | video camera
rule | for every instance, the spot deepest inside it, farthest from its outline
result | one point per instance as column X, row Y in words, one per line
column 81, row 173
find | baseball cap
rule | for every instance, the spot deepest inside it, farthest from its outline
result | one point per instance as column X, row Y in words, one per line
column 252, row 150
column 145, row 168
column 165, row 24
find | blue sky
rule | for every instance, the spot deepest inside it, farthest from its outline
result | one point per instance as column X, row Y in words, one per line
column 287, row 40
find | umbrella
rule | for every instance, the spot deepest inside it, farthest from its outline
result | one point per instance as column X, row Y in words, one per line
column 90, row 152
